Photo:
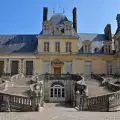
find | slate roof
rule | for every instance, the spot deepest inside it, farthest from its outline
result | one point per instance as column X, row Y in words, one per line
column 58, row 19
column 96, row 39
column 28, row 43
column 18, row 44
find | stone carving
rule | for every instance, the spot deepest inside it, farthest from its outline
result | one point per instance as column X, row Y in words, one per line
column 57, row 61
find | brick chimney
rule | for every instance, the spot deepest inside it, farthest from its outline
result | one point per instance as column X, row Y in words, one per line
column 75, row 18
column 45, row 13
column 107, row 32
column 118, row 21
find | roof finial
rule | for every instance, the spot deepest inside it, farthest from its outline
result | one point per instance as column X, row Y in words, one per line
column 53, row 11
column 63, row 10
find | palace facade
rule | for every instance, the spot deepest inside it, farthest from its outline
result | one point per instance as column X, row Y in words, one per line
column 59, row 48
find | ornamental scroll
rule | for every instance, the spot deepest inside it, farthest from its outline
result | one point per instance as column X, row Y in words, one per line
column 57, row 62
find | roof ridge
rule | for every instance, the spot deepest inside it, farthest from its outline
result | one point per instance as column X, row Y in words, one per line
column 93, row 33
column 17, row 34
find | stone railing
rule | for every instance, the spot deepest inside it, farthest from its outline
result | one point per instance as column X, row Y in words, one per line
column 6, row 76
column 108, row 102
column 100, row 78
column 2, row 86
column 33, row 102
column 37, row 88
column 16, row 100
column 17, row 77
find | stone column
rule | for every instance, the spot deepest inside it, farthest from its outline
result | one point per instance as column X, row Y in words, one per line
column 19, row 66
column 73, row 66
column 34, row 67
column 9, row 66
column 22, row 66
column 50, row 67
column 33, row 103
column 5, row 65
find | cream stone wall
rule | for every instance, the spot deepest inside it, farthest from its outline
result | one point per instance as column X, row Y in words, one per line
column 62, row 44
column 78, row 66
column 114, row 66
column 38, row 65
column 98, row 66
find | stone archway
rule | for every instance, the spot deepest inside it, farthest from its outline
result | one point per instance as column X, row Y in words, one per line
column 57, row 92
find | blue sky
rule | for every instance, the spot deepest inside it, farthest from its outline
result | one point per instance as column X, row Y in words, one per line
column 25, row 16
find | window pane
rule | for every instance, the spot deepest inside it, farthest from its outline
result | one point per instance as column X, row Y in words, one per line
column 59, row 92
column 63, row 92
column 51, row 92
column 29, row 67
column 55, row 92
column 46, row 46
column 14, row 67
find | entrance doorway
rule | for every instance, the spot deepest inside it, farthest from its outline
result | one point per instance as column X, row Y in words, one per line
column 57, row 70
column 14, row 67
column 57, row 93
column 1, row 67
column 29, row 67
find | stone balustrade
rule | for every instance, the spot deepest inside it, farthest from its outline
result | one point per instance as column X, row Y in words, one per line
column 34, row 102
column 17, row 77
column 104, row 103
column 2, row 86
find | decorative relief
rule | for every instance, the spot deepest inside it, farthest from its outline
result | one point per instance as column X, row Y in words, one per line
column 8, row 66
column 19, row 66
column 22, row 66
column 5, row 65
column 57, row 62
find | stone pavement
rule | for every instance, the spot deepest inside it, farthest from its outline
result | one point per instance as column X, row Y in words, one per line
column 60, row 113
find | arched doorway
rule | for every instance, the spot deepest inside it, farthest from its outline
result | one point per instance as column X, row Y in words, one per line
column 57, row 92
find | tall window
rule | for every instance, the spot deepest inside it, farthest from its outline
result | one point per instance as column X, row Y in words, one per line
column 109, row 67
column 46, row 46
column 85, row 48
column 68, row 46
column 57, row 47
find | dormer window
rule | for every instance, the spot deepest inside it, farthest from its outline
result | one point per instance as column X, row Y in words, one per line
column 68, row 27
column 46, row 27
column 107, row 47
column 87, row 46
column 85, row 50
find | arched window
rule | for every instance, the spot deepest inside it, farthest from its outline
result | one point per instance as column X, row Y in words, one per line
column 57, row 90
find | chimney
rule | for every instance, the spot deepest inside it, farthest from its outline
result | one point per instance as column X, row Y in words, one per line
column 75, row 19
column 118, row 21
column 45, row 13
column 107, row 32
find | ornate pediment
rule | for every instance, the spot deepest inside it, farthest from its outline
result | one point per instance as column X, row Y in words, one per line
column 57, row 62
